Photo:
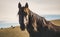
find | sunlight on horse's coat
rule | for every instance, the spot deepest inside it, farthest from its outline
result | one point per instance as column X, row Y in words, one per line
column 34, row 23
column 26, row 10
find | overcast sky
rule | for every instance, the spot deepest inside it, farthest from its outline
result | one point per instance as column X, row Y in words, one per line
column 9, row 8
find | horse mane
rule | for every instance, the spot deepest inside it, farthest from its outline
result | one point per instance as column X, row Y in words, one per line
column 35, row 18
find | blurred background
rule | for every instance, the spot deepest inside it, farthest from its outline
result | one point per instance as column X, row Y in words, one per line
column 50, row 9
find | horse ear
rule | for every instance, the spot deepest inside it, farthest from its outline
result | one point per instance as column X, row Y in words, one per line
column 19, row 5
column 26, row 5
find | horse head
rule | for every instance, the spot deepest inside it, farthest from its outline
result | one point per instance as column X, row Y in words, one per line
column 23, row 15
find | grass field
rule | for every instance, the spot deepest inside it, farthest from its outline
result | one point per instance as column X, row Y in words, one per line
column 13, row 32
column 16, row 32
column 56, row 22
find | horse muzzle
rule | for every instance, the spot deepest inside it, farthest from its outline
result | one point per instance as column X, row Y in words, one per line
column 22, row 28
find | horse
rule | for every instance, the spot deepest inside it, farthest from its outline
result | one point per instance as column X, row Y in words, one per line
column 37, row 26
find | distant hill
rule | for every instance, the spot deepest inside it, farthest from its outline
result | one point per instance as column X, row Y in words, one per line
column 56, row 22
column 13, row 32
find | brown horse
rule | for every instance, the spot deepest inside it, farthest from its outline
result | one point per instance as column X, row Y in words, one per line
column 36, row 25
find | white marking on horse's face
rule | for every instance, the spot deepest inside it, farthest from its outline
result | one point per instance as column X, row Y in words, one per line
column 26, row 20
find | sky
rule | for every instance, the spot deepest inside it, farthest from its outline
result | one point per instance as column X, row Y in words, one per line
column 9, row 8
